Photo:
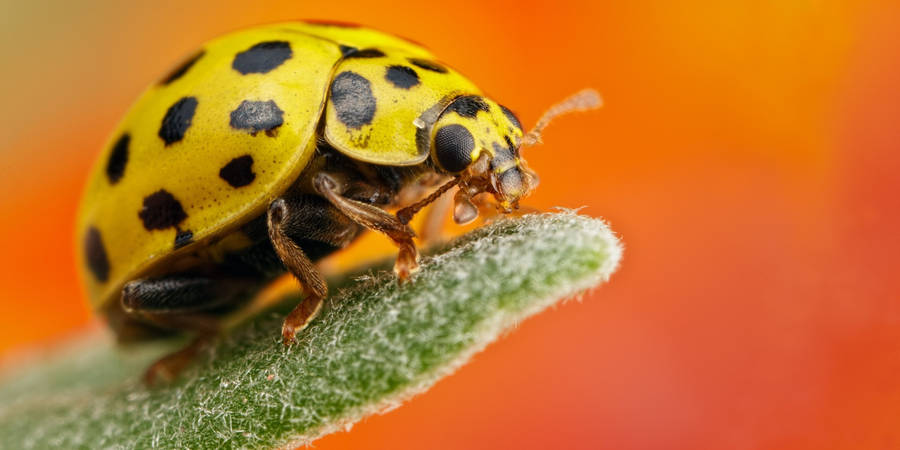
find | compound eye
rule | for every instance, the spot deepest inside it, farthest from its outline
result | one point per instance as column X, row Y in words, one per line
column 453, row 145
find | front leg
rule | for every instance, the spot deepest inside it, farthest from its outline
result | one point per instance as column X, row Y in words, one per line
column 373, row 218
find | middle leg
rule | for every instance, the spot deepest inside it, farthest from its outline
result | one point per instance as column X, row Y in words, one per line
column 183, row 302
column 320, row 228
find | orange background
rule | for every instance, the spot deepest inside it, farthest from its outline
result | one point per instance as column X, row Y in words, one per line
column 747, row 154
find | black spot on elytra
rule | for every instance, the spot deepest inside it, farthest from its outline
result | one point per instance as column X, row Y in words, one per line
column 428, row 65
column 178, row 120
column 95, row 255
column 365, row 53
column 161, row 210
column 263, row 57
column 239, row 171
column 332, row 23
column 511, row 116
column 182, row 68
column 118, row 159
column 401, row 76
column 469, row 105
column 453, row 145
column 257, row 116
column 353, row 101
column 183, row 238
column 347, row 50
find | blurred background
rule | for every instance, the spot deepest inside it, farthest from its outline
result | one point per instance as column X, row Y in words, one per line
column 747, row 155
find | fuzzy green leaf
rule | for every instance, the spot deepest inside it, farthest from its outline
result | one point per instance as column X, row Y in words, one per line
column 374, row 345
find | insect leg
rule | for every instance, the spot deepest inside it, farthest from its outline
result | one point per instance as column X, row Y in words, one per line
column 182, row 302
column 374, row 218
column 435, row 216
column 168, row 367
column 182, row 294
column 295, row 260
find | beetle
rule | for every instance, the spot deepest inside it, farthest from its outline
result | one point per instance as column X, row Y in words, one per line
column 270, row 148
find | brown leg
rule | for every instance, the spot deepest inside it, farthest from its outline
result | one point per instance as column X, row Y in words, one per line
column 182, row 302
column 167, row 368
column 301, row 267
column 433, row 224
column 374, row 218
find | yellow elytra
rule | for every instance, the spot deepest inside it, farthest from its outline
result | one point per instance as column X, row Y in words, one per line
column 207, row 148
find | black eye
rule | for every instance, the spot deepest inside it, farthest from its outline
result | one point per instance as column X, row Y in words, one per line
column 453, row 145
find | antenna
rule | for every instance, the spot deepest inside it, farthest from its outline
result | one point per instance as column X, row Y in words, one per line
column 584, row 100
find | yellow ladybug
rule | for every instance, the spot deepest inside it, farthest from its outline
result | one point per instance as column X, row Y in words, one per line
column 270, row 148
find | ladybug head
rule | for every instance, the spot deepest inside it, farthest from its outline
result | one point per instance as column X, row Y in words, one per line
column 478, row 141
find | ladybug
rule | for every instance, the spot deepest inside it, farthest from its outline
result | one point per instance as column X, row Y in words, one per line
column 270, row 148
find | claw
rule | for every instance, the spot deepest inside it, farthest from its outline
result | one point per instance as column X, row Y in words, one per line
column 406, row 265
column 299, row 318
column 288, row 333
